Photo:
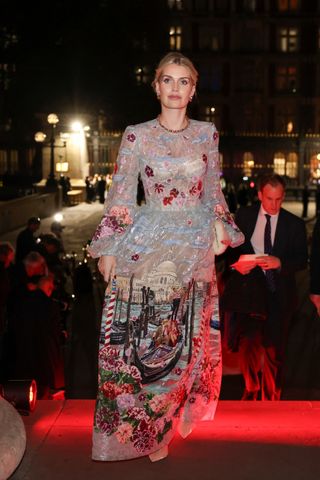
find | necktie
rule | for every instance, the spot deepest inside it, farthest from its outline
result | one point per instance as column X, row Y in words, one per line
column 270, row 277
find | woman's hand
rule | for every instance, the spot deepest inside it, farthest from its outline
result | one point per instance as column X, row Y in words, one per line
column 107, row 267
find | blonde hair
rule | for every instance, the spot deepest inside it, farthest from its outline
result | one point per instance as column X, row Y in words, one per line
column 175, row 58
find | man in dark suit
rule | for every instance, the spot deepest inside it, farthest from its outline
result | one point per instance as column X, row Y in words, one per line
column 264, row 290
column 315, row 266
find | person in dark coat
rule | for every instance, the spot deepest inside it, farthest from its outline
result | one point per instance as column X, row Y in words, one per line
column 315, row 266
column 305, row 201
column 26, row 241
column 38, row 338
column 260, row 295
column 6, row 259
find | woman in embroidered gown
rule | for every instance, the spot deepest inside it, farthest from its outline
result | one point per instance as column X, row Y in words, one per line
column 159, row 369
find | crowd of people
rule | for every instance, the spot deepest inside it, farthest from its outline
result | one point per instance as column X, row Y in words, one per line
column 39, row 311
column 97, row 187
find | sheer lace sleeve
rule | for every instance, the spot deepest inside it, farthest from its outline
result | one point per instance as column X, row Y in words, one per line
column 213, row 197
column 121, row 202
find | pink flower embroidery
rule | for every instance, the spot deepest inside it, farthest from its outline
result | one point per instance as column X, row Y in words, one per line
column 174, row 193
column 158, row 187
column 215, row 136
column 149, row 171
column 131, row 137
column 135, row 257
column 178, row 371
column 193, row 190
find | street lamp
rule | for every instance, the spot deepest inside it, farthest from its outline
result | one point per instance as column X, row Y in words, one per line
column 52, row 119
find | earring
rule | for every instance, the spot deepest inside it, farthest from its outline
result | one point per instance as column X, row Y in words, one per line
column 190, row 99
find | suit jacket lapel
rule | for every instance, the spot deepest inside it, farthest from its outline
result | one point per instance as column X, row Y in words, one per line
column 280, row 234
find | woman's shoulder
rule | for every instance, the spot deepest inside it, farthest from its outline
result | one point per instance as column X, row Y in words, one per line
column 201, row 125
column 141, row 127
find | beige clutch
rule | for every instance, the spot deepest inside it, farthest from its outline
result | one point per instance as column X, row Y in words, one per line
column 219, row 235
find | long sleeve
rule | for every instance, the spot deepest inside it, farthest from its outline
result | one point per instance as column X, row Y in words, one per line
column 213, row 198
column 121, row 202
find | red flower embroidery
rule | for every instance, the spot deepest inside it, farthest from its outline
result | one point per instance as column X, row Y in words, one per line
column 200, row 185
column 149, row 171
column 215, row 136
column 167, row 200
column 158, row 187
column 135, row 257
column 115, row 169
column 178, row 371
column 131, row 137
column 174, row 193
column 205, row 158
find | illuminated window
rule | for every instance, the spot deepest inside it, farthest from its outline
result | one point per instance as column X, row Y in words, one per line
column 175, row 38
column 292, row 165
column 210, row 38
column 248, row 164
column 209, row 114
column 175, row 4
column 285, row 119
column 286, row 79
column 288, row 39
column 3, row 161
column 142, row 75
column 315, row 166
column 14, row 164
column 279, row 163
column 285, row 5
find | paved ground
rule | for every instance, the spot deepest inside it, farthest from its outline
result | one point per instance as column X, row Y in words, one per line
column 246, row 441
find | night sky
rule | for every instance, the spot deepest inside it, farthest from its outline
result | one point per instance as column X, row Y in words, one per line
column 82, row 59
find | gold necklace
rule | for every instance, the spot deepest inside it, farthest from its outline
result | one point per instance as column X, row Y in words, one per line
column 171, row 130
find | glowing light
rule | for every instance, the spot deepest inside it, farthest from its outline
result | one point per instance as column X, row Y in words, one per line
column 245, row 178
column 212, row 109
column 40, row 137
column 251, row 184
column 76, row 126
column 53, row 118
column 58, row 217
column 318, row 156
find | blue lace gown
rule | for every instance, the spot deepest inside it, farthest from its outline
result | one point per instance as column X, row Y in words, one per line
column 162, row 363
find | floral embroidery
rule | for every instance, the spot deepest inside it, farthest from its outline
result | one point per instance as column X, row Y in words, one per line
column 158, row 187
column 135, row 257
column 193, row 190
column 131, row 137
column 215, row 136
column 149, row 171
column 116, row 221
column 167, row 200
column 205, row 158
column 117, row 412
column 174, row 193
column 115, row 169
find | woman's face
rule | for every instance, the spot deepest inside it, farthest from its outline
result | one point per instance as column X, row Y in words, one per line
column 175, row 86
